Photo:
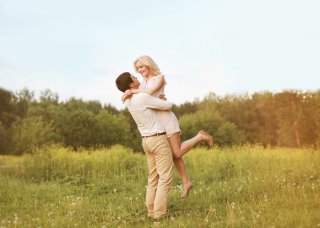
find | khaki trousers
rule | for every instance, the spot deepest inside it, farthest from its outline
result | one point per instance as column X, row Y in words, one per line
column 160, row 166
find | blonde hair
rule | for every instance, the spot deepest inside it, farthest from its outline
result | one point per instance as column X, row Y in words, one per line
column 147, row 61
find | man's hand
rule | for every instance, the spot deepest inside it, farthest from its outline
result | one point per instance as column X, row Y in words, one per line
column 163, row 97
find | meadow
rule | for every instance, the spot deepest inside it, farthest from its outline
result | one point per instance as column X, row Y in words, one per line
column 243, row 186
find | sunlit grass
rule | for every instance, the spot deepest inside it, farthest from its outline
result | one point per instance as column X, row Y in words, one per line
column 244, row 186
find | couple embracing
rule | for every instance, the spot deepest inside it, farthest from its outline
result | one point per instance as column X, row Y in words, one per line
column 160, row 132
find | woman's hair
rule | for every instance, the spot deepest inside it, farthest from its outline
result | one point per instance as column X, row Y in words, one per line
column 123, row 81
column 147, row 61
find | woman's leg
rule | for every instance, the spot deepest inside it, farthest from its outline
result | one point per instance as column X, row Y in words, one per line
column 179, row 149
column 187, row 184
column 175, row 144
column 181, row 168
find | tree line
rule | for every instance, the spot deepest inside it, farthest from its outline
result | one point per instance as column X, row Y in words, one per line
column 288, row 118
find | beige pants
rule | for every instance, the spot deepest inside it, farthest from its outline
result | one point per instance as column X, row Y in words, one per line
column 160, row 167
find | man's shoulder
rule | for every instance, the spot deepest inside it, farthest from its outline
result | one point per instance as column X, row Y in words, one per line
column 137, row 98
column 140, row 95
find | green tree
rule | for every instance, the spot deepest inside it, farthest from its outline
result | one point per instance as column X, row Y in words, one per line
column 25, row 98
column 51, row 113
column 264, row 104
column 112, row 129
column 78, row 129
column 47, row 96
column 31, row 132
column 289, row 113
column 7, row 108
column 315, row 102
column 185, row 108
column 241, row 111
column 309, row 120
column 94, row 107
column 5, row 139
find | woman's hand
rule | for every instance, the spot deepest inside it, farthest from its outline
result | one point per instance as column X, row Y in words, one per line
column 163, row 97
column 127, row 94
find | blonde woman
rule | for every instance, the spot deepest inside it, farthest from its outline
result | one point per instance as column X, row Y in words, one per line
column 153, row 83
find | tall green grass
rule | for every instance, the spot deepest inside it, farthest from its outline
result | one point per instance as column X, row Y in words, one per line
column 244, row 186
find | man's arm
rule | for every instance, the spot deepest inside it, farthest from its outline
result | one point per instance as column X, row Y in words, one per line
column 155, row 103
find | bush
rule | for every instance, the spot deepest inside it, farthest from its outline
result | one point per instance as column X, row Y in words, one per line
column 224, row 132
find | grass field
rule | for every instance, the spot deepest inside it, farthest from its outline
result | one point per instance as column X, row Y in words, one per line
column 244, row 186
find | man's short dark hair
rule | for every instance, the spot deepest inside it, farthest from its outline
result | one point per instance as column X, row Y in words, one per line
column 123, row 81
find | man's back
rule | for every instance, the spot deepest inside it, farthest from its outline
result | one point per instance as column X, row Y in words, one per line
column 142, row 108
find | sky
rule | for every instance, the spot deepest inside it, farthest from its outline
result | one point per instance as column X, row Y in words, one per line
column 77, row 48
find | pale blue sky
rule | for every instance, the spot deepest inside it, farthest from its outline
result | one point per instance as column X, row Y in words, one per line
column 77, row 48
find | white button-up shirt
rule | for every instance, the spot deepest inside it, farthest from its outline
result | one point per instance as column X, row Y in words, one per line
column 143, row 108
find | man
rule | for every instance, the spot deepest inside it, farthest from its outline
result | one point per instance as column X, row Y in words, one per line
column 154, row 142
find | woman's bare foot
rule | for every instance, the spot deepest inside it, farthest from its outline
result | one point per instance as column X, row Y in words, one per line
column 186, row 189
column 204, row 136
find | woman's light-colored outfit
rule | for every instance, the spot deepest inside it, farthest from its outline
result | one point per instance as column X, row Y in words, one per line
column 167, row 118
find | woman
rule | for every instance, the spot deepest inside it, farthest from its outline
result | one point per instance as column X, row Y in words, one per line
column 153, row 84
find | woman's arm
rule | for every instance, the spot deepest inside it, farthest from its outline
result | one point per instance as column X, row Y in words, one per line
column 159, row 83
column 127, row 94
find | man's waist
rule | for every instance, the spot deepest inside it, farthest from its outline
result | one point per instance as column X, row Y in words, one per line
column 156, row 134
